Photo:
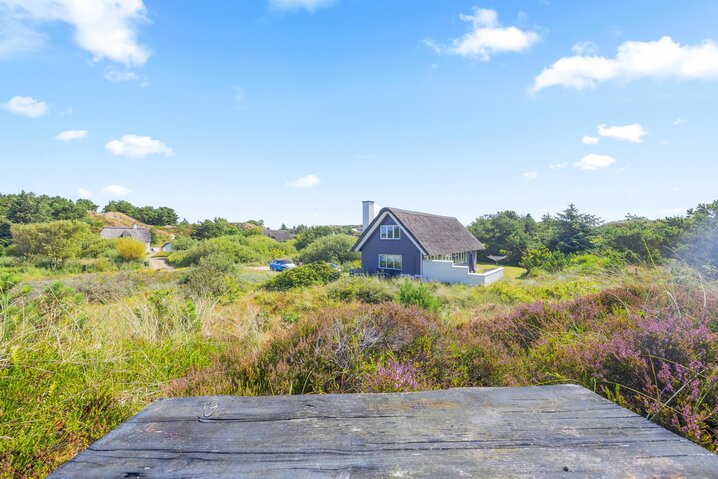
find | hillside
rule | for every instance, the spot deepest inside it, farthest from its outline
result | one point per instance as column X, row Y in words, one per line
column 114, row 218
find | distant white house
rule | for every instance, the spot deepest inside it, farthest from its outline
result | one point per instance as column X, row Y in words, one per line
column 138, row 233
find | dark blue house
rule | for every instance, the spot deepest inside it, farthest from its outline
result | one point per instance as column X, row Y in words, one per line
column 434, row 247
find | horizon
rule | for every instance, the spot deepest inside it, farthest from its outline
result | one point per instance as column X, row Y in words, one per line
column 459, row 109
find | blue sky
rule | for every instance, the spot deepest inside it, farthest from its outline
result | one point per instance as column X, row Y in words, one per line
column 296, row 110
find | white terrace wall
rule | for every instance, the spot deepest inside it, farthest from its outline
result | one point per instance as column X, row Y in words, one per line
column 448, row 272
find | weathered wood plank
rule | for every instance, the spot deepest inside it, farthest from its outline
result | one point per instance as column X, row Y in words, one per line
column 544, row 431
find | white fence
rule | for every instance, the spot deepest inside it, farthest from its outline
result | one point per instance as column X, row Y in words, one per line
column 448, row 272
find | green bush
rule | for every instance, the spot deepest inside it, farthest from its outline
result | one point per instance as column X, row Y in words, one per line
column 237, row 249
column 332, row 249
column 537, row 260
column 102, row 265
column 361, row 288
column 130, row 249
column 302, row 276
column 418, row 294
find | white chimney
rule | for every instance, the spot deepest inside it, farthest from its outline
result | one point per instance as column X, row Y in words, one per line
column 368, row 213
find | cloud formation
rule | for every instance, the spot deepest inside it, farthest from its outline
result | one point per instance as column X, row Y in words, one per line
column 486, row 37
column 310, row 5
column 530, row 175
column 26, row 106
column 589, row 140
column 633, row 133
column 105, row 28
column 558, row 166
column 306, row 181
column 663, row 58
column 71, row 135
column 135, row 146
column 86, row 194
column 594, row 162
column 116, row 190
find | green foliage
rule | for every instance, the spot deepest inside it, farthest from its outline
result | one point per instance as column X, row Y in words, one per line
column 417, row 294
column 308, row 235
column 540, row 259
column 505, row 233
column 146, row 214
column 699, row 245
column 332, row 249
column 130, row 249
column 237, row 249
column 56, row 241
column 26, row 208
column 638, row 239
column 571, row 231
column 303, row 276
column 366, row 289
column 213, row 229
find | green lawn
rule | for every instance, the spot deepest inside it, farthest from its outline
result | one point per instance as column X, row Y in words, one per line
column 509, row 271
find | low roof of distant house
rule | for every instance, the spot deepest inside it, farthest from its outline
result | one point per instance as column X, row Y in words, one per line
column 433, row 234
column 136, row 232
column 278, row 235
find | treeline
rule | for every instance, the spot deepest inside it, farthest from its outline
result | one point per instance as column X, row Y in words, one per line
column 149, row 215
column 552, row 242
column 26, row 208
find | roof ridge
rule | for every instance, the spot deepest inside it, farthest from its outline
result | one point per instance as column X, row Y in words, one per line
column 421, row 213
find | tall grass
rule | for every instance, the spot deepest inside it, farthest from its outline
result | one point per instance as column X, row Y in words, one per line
column 75, row 361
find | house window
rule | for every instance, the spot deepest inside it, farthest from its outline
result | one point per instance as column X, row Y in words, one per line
column 390, row 232
column 390, row 261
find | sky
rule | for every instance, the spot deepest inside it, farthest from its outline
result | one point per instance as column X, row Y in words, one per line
column 294, row 111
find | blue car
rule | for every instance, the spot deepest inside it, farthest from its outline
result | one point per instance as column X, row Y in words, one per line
column 281, row 264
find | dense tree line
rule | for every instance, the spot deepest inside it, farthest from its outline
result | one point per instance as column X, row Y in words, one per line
column 27, row 208
column 550, row 241
column 150, row 215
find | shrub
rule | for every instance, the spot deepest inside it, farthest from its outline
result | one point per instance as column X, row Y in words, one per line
column 537, row 260
column 56, row 241
column 130, row 249
column 302, row 276
column 332, row 249
column 214, row 276
column 392, row 378
column 237, row 249
column 361, row 288
column 102, row 265
column 418, row 294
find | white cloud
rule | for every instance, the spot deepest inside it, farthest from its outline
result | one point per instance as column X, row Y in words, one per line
column 589, row 140
column 70, row 135
column 594, row 162
column 26, row 106
column 105, row 28
column 633, row 133
column 116, row 190
column 558, row 166
column 584, row 48
column 135, row 146
column 530, row 175
column 306, row 181
column 486, row 38
column 83, row 193
column 663, row 58
column 122, row 76
column 679, row 121
column 310, row 5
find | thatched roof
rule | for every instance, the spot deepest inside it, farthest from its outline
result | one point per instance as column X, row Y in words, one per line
column 138, row 233
column 278, row 235
column 435, row 234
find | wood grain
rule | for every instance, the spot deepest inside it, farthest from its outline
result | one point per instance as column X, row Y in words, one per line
column 533, row 432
